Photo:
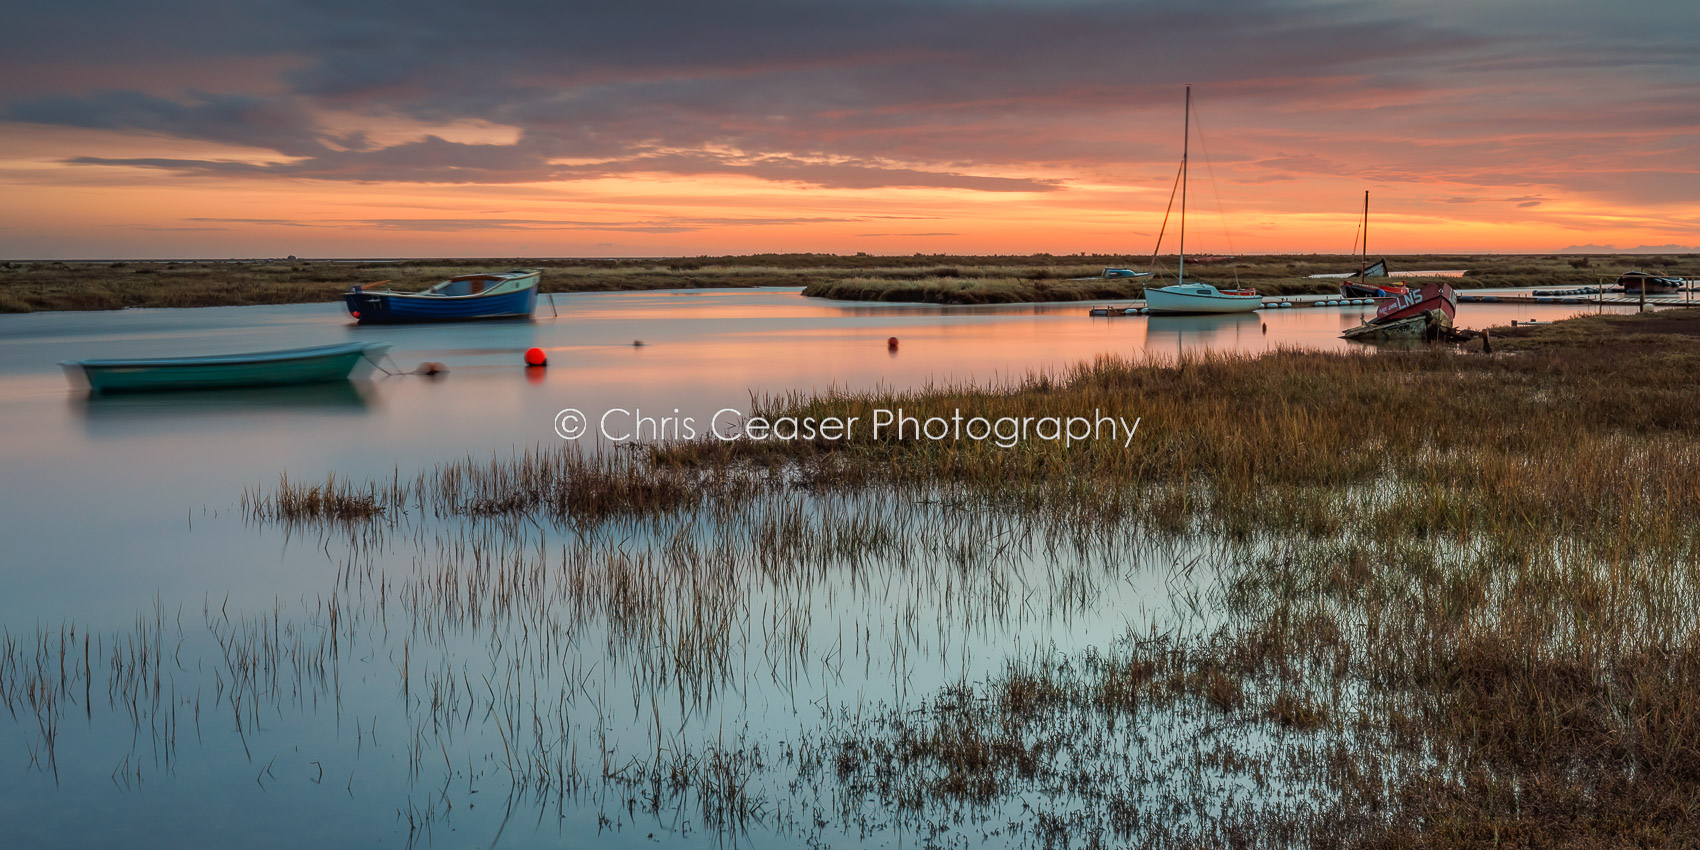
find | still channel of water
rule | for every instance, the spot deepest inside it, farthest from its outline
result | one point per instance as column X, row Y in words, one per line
column 246, row 684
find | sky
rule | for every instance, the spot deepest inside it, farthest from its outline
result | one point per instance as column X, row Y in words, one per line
column 266, row 128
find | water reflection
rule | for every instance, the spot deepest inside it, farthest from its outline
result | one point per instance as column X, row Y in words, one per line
column 336, row 398
column 136, row 460
column 1229, row 331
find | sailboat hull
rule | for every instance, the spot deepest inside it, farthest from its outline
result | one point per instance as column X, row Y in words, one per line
column 1189, row 298
column 1353, row 289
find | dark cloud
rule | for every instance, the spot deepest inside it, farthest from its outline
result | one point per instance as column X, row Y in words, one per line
column 981, row 95
column 279, row 124
column 838, row 94
column 437, row 161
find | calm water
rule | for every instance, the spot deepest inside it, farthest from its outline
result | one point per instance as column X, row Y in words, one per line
column 120, row 522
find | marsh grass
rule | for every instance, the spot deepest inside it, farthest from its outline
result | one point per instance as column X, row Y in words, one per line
column 1421, row 599
column 1027, row 289
column 972, row 290
column 335, row 500
column 1457, row 601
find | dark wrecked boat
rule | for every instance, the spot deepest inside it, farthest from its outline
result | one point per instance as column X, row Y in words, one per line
column 1424, row 313
column 1649, row 283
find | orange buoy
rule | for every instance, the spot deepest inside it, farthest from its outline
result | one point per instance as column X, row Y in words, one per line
column 891, row 343
column 536, row 357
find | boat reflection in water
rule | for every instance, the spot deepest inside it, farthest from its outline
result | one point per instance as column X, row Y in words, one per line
column 104, row 414
column 1169, row 335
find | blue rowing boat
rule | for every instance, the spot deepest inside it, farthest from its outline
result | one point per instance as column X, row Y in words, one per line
column 318, row 364
column 508, row 295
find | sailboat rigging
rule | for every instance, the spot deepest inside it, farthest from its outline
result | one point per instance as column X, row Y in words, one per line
column 1362, row 288
column 1183, row 297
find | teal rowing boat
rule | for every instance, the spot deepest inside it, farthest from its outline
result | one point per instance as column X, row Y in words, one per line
column 222, row 371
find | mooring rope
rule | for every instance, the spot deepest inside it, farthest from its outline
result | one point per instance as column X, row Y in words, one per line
column 1217, row 191
column 376, row 364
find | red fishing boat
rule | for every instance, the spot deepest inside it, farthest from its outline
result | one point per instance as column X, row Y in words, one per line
column 1423, row 313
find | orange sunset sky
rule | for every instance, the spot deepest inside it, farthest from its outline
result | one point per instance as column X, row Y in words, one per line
column 193, row 129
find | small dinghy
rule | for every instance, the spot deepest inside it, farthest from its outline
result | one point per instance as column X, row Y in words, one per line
column 318, row 364
column 508, row 295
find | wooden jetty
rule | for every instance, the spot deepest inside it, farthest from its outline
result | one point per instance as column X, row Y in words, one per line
column 1610, row 300
column 1679, row 299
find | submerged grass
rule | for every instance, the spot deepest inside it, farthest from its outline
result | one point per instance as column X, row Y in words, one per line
column 1483, row 609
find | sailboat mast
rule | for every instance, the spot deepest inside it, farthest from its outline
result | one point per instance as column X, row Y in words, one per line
column 1186, row 141
column 1363, row 264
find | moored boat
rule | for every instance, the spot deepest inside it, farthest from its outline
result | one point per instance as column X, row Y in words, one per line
column 1201, row 298
column 317, row 364
column 1638, row 281
column 1377, row 268
column 506, row 295
column 1362, row 287
column 1367, row 289
column 1184, row 297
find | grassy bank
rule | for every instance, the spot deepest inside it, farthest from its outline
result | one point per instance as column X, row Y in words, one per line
column 1452, row 600
column 1013, row 290
column 30, row 286
column 1270, row 275
column 973, row 290
column 1467, row 613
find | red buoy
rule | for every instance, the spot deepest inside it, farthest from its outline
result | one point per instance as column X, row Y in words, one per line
column 891, row 343
column 536, row 357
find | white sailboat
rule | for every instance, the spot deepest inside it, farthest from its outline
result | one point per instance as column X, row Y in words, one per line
column 1184, row 297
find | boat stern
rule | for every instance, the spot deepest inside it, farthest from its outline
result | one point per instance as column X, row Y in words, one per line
column 78, row 375
column 366, row 307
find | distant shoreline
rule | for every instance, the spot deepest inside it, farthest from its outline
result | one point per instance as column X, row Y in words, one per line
column 64, row 285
